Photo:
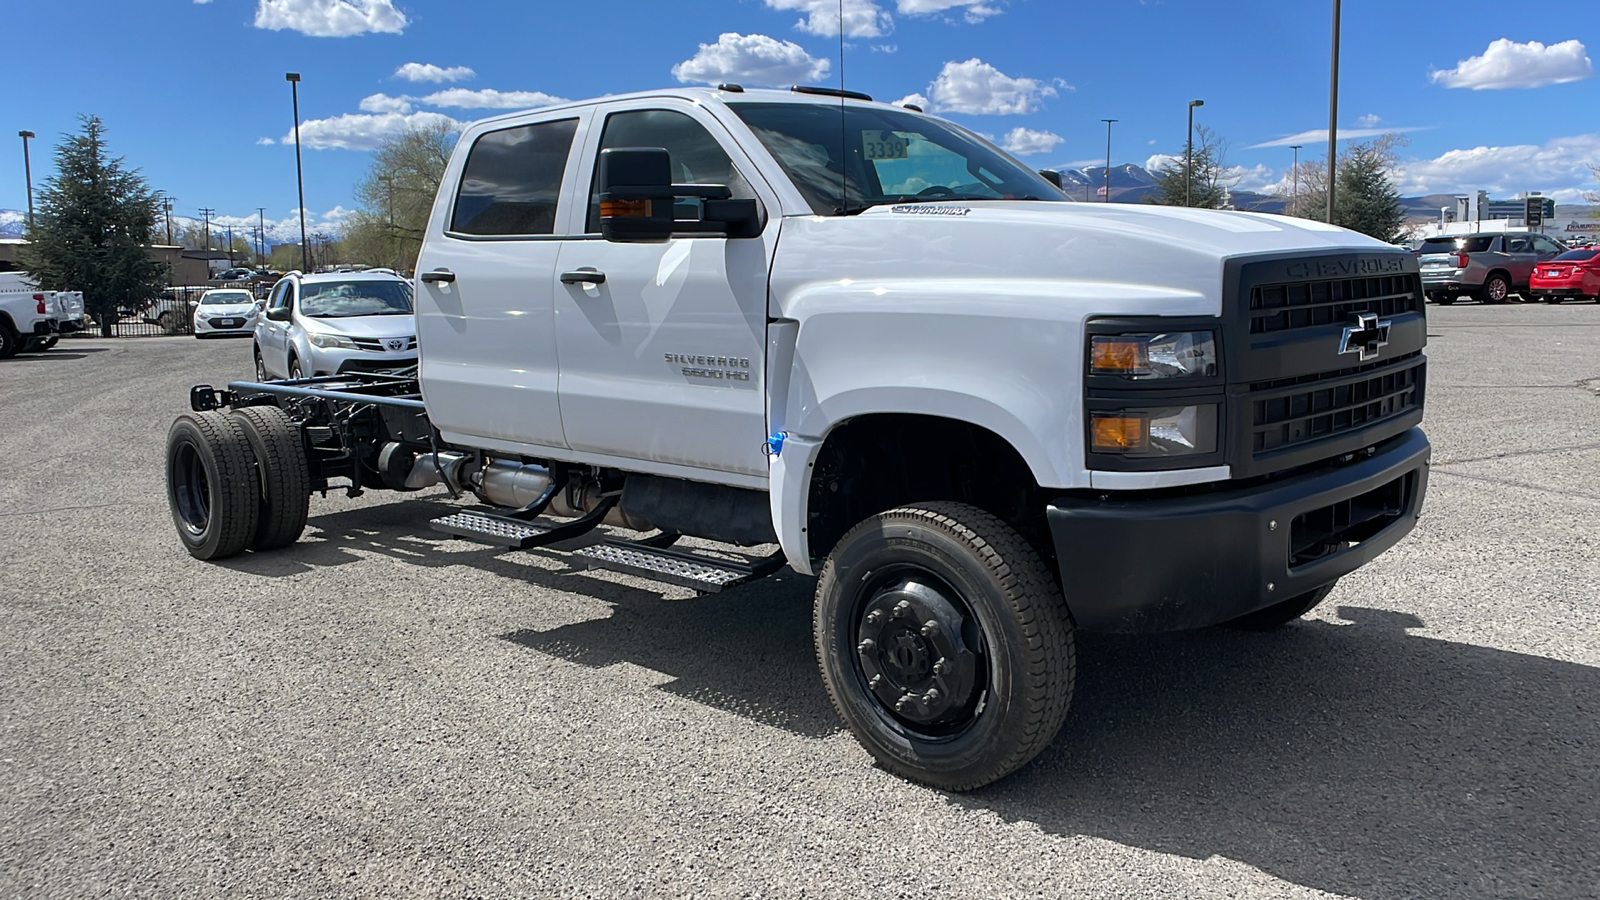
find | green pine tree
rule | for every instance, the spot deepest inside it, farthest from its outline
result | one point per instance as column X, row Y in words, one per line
column 92, row 226
column 1367, row 200
column 1204, row 184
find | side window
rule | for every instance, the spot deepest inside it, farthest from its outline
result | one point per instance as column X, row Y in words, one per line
column 1545, row 245
column 697, row 158
column 512, row 180
column 280, row 295
column 1518, row 245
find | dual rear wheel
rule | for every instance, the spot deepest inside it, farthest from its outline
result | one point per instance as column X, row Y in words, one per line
column 237, row 481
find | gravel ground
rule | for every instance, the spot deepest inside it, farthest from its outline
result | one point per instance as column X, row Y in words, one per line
column 381, row 712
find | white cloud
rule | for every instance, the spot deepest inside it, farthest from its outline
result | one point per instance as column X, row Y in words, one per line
column 1508, row 64
column 885, row 48
column 429, row 72
column 488, row 98
column 1369, row 120
column 862, row 18
column 383, row 103
column 751, row 59
column 1556, row 167
column 330, row 18
column 916, row 100
column 361, row 132
column 1319, row 136
column 1157, row 160
column 201, row 2
column 972, row 10
column 265, row 142
column 977, row 88
column 1026, row 141
column 1258, row 178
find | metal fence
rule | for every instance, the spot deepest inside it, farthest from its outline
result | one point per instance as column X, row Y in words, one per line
column 169, row 313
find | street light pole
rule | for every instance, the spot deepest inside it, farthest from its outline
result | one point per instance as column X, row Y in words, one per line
column 262, row 251
column 299, row 173
column 1108, row 157
column 1294, row 195
column 27, row 171
column 1188, row 157
column 1333, row 115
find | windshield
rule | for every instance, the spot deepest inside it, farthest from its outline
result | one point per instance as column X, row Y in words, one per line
column 1578, row 255
column 1477, row 243
column 227, row 298
column 889, row 156
column 341, row 299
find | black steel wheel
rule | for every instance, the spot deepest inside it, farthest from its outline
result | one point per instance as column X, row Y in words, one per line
column 282, row 472
column 1496, row 289
column 944, row 644
column 1280, row 614
column 211, row 485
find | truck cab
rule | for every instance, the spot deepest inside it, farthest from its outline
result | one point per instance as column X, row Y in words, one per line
column 983, row 415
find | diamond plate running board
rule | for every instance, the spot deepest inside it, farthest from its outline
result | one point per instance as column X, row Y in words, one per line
column 706, row 574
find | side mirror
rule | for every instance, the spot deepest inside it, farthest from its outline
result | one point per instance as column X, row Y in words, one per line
column 278, row 314
column 638, row 200
column 194, row 302
column 1052, row 176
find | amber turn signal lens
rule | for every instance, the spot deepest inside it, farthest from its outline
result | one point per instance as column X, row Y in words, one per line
column 625, row 209
column 1119, row 431
column 1119, row 356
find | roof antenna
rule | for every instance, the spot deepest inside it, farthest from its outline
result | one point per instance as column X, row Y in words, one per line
column 844, row 143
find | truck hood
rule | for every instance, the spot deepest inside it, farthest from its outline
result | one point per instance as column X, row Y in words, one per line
column 1119, row 252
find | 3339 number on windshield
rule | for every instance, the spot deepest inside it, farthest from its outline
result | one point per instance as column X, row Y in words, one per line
column 877, row 145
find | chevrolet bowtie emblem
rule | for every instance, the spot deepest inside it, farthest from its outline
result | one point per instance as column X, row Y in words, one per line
column 1367, row 337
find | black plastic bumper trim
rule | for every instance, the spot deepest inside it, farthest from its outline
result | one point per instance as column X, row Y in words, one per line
column 1176, row 563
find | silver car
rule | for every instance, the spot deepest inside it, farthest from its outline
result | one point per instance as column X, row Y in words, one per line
column 1486, row 267
column 333, row 324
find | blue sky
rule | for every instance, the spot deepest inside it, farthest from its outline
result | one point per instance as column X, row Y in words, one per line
column 193, row 92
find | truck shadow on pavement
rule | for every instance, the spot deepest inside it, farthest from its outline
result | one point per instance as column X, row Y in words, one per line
column 1359, row 759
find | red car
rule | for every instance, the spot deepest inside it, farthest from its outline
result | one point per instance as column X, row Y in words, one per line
column 1575, row 274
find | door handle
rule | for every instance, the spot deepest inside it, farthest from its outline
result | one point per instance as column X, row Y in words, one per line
column 437, row 276
column 583, row 276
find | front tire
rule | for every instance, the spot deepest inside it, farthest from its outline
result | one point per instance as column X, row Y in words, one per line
column 944, row 644
column 211, row 485
column 261, row 366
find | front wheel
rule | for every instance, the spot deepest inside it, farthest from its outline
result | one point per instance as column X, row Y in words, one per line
column 261, row 366
column 944, row 644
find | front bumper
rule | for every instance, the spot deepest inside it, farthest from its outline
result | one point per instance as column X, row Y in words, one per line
column 1181, row 562
column 210, row 328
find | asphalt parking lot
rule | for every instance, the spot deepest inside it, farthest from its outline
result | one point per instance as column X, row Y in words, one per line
column 380, row 711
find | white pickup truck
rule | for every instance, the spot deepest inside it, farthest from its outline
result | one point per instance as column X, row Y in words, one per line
column 866, row 339
column 31, row 319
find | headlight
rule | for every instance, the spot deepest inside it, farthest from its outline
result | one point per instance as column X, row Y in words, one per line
column 332, row 342
column 1143, row 357
column 202, row 314
column 1154, row 433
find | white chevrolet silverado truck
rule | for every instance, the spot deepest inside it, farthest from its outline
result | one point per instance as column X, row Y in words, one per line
column 873, row 344
column 33, row 320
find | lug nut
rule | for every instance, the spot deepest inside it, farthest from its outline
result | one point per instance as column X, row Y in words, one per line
column 903, row 608
column 931, row 697
column 876, row 682
column 942, row 666
column 866, row 646
column 875, row 617
column 930, row 628
column 1271, row 587
column 903, row 704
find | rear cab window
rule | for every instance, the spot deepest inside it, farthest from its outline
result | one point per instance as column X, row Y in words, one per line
column 511, row 183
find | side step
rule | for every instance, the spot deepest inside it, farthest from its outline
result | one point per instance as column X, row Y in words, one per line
column 487, row 529
column 706, row 574
column 519, row 534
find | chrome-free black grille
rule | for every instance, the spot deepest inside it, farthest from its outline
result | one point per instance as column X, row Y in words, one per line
column 1290, row 411
column 1307, row 304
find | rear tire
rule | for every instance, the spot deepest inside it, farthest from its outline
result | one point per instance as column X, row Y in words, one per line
column 944, row 644
column 1496, row 289
column 1281, row 614
column 282, row 472
column 10, row 341
column 211, row 485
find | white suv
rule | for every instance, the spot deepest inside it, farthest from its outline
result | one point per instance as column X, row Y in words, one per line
column 334, row 324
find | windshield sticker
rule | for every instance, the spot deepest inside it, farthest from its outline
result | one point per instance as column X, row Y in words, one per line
column 912, row 209
column 876, row 145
